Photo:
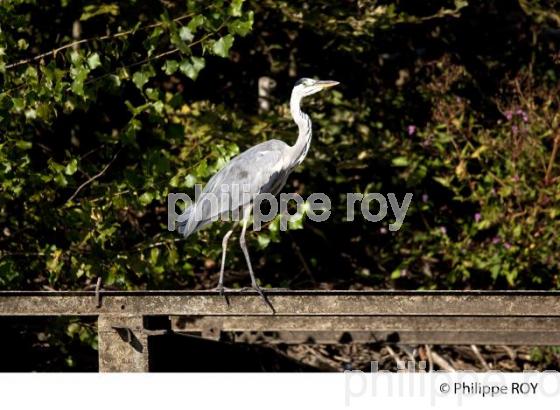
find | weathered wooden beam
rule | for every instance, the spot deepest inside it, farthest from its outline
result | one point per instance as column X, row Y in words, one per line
column 123, row 344
column 399, row 337
column 408, row 317
column 370, row 329
column 305, row 303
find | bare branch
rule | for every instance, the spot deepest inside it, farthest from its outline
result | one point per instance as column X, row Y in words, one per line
column 481, row 359
column 442, row 363
column 74, row 44
column 93, row 178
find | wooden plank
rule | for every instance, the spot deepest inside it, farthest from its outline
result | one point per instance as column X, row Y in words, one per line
column 308, row 303
column 404, row 337
column 367, row 323
column 401, row 337
column 368, row 329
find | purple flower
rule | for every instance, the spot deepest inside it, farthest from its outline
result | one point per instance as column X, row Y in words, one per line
column 425, row 198
column 509, row 115
column 516, row 178
column 507, row 245
column 383, row 230
column 514, row 129
column 496, row 240
column 522, row 114
column 411, row 130
column 477, row 217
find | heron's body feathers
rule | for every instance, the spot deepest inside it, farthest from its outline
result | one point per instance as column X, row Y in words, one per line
column 260, row 169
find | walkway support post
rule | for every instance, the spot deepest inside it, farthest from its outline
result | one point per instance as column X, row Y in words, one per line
column 123, row 344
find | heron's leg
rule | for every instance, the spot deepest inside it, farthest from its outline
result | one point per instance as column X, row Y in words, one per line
column 220, row 286
column 243, row 245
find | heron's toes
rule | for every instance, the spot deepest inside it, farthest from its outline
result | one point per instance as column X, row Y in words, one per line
column 221, row 290
column 260, row 291
column 257, row 288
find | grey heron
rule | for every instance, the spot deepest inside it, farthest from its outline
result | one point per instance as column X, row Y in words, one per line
column 263, row 168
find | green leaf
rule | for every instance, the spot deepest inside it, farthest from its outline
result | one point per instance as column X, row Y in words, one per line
column 97, row 10
column 93, row 61
column 19, row 103
column 146, row 198
column 192, row 68
column 79, row 73
column 178, row 42
column 76, row 58
column 158, row 106
column 55, row 262
column 186, row 34
column 400, row 162
column 296, row 222
column 72, row 167
column 60, row 180
column 152, row 93
column 154, row 255
column 242, row 27
column 140, row 78
column 196, row 22
column 222, row 46
column 235, row 8
column 190, row 180
column 170, row 66
column 25, row 145
column 22, row 44
column 263, row 240
column 443, row 181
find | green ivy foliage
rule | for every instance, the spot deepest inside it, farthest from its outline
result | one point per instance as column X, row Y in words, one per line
column 95, row 133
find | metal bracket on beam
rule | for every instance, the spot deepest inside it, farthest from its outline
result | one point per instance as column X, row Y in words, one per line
column 98, row 293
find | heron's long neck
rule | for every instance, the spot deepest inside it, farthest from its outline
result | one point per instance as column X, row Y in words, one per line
column 300, row 148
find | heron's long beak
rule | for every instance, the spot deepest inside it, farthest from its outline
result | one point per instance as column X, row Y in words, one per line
column 326, row 83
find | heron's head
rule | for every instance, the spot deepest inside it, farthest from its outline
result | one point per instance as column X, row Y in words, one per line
column 308, row 86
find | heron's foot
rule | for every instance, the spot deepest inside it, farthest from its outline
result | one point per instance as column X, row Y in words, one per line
column 222, row 291
column 260, row 291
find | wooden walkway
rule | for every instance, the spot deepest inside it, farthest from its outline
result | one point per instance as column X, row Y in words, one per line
column 125, row 322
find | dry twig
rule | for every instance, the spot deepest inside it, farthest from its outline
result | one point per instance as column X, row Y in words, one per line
column 481, row 359
column 93, row 178
column 442, row 363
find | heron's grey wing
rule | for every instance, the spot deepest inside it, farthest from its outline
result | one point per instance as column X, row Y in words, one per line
column 257, row 170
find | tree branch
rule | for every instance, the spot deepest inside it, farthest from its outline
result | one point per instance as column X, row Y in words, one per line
column 87, row 40
column 93, row 178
